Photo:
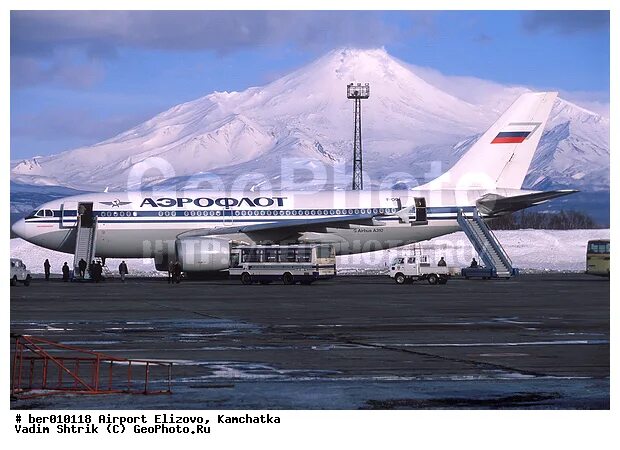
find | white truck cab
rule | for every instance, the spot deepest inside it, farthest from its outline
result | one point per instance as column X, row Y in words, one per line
column 19, row 272
column 417, row 268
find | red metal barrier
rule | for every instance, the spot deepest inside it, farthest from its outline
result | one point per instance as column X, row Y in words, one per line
column 42, row 367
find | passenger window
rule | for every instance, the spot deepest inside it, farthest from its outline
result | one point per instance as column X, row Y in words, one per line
column 288, row 255
column 271, row 255
column 40, row 213
column 304, row 255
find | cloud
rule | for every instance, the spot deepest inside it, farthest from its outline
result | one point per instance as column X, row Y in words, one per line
column 595, row 101
column 102, row 32
column 57, row 124
column 483, row 38
column 40, row 40
column 565, row 22
column 28, row 71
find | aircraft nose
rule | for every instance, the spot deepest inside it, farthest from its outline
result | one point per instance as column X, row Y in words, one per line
column 19, row 228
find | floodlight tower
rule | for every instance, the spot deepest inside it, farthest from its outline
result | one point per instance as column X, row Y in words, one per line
column 357, row 92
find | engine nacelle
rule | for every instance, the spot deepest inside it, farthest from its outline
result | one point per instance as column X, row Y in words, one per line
column 203, row 254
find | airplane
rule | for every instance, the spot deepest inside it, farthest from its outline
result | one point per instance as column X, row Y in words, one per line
column 197, row 227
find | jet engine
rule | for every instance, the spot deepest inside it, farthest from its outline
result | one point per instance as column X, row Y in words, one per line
column 203, row 254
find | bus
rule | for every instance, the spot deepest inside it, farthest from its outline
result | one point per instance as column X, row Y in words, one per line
column 300, row 263
column 597, row 257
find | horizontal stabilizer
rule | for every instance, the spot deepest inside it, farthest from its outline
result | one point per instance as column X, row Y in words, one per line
column 494, row 204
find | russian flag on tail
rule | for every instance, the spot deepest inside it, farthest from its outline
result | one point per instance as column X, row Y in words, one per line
column 515, row 133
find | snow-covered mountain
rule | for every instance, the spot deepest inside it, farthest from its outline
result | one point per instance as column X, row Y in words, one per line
column 416, row 123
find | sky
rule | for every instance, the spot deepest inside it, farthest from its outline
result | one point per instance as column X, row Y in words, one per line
column 80, row 77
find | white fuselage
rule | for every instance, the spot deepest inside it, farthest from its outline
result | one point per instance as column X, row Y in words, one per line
column 134, row 224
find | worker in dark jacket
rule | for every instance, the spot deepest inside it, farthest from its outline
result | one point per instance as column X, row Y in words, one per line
column 177, row 272
column 82, row 267
column 98, row 271
column 65, row 272
column 474, row 263
column 46, row 268
column 122, row 270
column 442, row 262
column 171, row 272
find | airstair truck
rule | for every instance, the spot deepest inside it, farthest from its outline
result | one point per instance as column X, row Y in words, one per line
column 418, row 268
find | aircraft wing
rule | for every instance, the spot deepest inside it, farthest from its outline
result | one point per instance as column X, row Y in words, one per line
column 287, row 226
column 493, row 204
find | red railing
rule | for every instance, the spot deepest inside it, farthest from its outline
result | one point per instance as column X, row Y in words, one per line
column 42, row 367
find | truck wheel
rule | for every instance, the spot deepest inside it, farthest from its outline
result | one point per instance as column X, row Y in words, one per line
column 14, row 280
column 287, row 278
column 27, row 281
column 400, row 278
column 246, row 278
column 432, row 279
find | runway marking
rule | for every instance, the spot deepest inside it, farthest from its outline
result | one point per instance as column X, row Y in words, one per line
column 505, row 344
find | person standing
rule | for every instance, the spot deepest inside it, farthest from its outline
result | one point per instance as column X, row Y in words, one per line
column 98, row 270
column 122, row 270
column 46, row 268
column 442, row 262
column 82, row 267
column 171, row 272
column 65, row 272
column 177, row 272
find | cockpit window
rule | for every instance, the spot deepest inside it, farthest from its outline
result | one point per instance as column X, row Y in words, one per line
column 41, row 213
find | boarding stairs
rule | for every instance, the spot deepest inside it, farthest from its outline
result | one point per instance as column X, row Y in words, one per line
column 486, row 244
column 107, row 272
column 85, row 242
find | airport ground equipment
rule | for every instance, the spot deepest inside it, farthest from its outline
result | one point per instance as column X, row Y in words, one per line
column 418, row 268
column 357, row 92
column 85, row 239
column 42, row 367
column 598, row 257
column 19, row 273
column 290, row 264
column 486, row 245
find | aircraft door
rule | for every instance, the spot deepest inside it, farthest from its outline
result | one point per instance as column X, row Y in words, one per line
column 85, row 210
column 227, row 217
column 420, row 209
column 68, row 214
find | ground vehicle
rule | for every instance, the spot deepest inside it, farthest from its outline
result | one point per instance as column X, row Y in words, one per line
column 19, row 272
column 418, row 268
column 302, row 263
column 597, row 257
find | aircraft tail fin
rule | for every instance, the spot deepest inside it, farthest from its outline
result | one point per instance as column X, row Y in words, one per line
column 502, row 155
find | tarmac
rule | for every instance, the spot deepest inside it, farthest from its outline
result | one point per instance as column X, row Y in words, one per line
column 532, row 342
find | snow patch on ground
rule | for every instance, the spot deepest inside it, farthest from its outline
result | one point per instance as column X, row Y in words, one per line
column 33, row 256
column 530, row 250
